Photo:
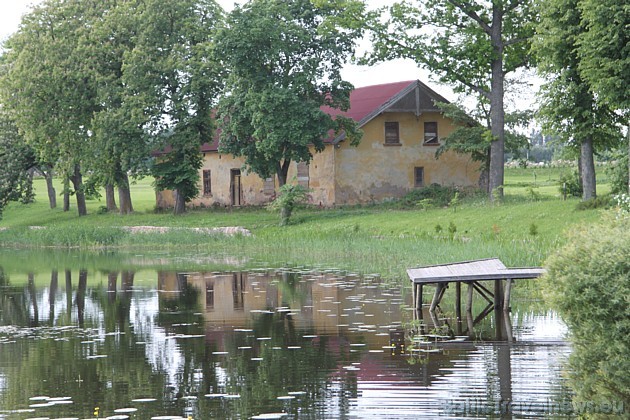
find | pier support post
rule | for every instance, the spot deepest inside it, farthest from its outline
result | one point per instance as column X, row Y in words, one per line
column 458, row 301
column 439, row 292
column 469, row 302
column 506, row 299
column 498, row 294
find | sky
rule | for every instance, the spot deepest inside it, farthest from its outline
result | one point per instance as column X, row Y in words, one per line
column 11, row 12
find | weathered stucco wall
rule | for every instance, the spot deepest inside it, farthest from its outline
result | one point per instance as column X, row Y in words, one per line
column 319, row 179
column 375, row 171
column 342, row 174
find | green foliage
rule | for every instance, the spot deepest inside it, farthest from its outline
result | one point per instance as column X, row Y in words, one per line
column 452, row 229
column 434, row 195
column 589, row 284
column 599, row 202
column 469, row 45
column 533, row 229
column 618, row 173
column 532, row 193
column 16, row 159
column 570, row 184
column 290, row 196
column 284, row 61
column 173, row 75
column 470, row 137
column 604, row 50
column 102, row 84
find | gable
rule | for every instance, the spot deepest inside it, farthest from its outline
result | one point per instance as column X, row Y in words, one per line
column 369, row 102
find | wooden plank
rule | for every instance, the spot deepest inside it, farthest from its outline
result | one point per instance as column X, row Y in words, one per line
column 488, row 269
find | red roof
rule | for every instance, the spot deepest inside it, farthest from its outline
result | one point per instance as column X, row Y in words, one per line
column 363, row 102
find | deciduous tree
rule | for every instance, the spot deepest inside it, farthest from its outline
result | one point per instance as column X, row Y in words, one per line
column 17, row 160
column 284, row 65
column 569, row 107
column 472, row 45
column 172, row 82
column 50, row 97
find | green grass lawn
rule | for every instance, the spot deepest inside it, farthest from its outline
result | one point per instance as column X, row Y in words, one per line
column 521, row 231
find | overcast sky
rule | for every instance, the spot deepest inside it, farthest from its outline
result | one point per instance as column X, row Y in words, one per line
column 11, row 12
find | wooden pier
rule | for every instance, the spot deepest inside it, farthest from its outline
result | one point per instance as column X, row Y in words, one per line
column 472, row 273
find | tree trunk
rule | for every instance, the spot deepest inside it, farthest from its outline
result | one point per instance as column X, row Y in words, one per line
column 180, row 204
column 124, row 195
column 281, row 171
column 628, row 135
column 52, row 194
column 587, row 164
column 66, row 194
column 77, row 182
column 497, row 113
column 110, row 198
column 80, row 299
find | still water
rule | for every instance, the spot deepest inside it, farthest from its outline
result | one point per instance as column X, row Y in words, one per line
column 265, row 343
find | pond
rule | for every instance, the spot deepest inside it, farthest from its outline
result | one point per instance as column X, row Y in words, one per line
column 263, row 343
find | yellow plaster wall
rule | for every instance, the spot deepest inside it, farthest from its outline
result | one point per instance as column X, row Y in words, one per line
column 374, row 171
column 344, row 174
column 320, row 181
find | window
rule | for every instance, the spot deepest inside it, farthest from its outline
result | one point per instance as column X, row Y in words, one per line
column 392, row 132
column 418, row 177
column 431, row 134
column 269, row 186
column 207, row 184
column 302, row 174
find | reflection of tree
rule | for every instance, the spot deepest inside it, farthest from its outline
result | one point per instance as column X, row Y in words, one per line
column 59, row 362
column 33, row 296
column 13, row 303
column 259, row 382
column 54, row 285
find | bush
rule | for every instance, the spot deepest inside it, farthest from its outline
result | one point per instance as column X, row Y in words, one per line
column 601, row 202
column 588, row 282
column 290, row 196
column 571, row 184
column 434, row 194
column 618, row 174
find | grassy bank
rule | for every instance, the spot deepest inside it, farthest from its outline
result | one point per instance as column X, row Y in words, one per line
column 380, row 239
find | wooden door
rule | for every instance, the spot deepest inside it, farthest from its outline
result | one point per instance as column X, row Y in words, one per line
column 235, row 187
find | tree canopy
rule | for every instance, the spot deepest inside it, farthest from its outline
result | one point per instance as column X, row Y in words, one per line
column 96, row 86
column 283, row 67
column 173, row 81
column 469, row 45
column 569, row 107
column 16, row 161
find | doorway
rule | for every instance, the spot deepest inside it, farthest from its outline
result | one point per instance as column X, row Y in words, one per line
column 235, row 187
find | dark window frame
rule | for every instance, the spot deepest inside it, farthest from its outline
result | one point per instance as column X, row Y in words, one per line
column 207, row 182
column 418, row 170
column 431, row 137
column 392, row 132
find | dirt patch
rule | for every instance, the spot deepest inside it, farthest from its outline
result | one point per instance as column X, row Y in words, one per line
column 228, row 230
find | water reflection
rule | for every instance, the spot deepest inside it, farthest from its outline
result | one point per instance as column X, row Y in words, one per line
column 240, row 344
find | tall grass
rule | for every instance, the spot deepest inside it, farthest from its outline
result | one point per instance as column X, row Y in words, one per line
column 522, row 231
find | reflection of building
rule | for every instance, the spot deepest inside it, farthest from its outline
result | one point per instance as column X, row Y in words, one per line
column 319, row 303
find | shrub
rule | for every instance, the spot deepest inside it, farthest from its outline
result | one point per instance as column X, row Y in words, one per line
column 588, row 282
column 290, row 196
column 603, row 201
column 434, row 194
column 618, row 174
column 571, row 184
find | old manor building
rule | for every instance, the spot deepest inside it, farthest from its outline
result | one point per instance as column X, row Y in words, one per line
column 402, row 130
